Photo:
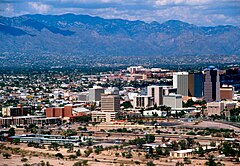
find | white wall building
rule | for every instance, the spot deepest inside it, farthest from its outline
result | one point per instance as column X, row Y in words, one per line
column 173, row 100
column 157, row 93
column 143, row 101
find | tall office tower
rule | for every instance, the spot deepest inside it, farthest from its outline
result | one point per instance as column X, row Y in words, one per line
column 95, row 93
column 195, row 85
column 157, row 93
column 110, row 103
column 211, row 84
column 180, row 81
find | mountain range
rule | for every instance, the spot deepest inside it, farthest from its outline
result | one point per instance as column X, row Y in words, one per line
column 86, row 35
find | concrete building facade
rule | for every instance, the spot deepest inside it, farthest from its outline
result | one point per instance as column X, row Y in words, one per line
column 157, row 93
column 143, row 101
column 180, row 81
column 173, row 101
column 226, row 92
column 100, row 116
column 95, row 93
column 211, row 84
column 215, row 108
column 110, row 103
column 195, row 85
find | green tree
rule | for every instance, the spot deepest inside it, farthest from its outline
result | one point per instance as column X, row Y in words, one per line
column 59, row 155
column 150, row 163
column 16, row 141
column 11, row 132
column 127, row 104
column 54, row 146
column 227, row 149
column 187, row 160
column 78, row 153
column 211, row 161
column 72, row 157
column 200, row 151
column 159, row 151
column 150, row 138
column 6, row 155
column 24, row 159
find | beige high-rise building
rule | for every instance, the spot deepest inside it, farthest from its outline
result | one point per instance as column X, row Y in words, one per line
column 180, row 81
column 157, row 93
column 110, row 103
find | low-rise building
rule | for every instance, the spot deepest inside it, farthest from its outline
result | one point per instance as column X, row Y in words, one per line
column 100, row 116
column 17, row 111
column 181, row 153
column 215, row 108
column 173, row 100
column 226, row 92
column 143, row 101
column 18, row 120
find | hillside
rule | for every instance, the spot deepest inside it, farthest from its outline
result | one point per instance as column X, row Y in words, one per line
column 85, row 35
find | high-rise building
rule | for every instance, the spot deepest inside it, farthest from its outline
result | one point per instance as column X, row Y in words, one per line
column 110, row 103
column 180, row 81
column 195, row 85
column 211, row 84
column 157, row 93
column 95, row 93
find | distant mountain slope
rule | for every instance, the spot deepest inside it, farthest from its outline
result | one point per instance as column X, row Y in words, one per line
column 86, row 35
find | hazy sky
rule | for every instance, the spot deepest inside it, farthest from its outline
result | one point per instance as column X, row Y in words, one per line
column 199, row 12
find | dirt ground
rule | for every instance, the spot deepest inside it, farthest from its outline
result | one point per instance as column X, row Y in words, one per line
column 106, row 158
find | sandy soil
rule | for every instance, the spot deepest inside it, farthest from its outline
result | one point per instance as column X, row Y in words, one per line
column 107, row 158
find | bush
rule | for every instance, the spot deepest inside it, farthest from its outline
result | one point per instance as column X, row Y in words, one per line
column 72, row 156
column 26, row 164
column 128, row 155
column 59, row 155
column 6, row 155
column 24, row 159
column 137, row 162
column 187, row 160
column 150, row 163
column 78, row 153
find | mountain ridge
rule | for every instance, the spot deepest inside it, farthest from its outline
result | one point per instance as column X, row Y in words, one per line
column 88, row 35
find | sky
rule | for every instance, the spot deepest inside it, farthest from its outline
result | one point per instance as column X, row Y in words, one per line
column 198, row 12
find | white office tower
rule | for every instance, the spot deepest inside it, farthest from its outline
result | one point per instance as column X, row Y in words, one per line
column 180, row 81
column 95, row 93
column 157, row 93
